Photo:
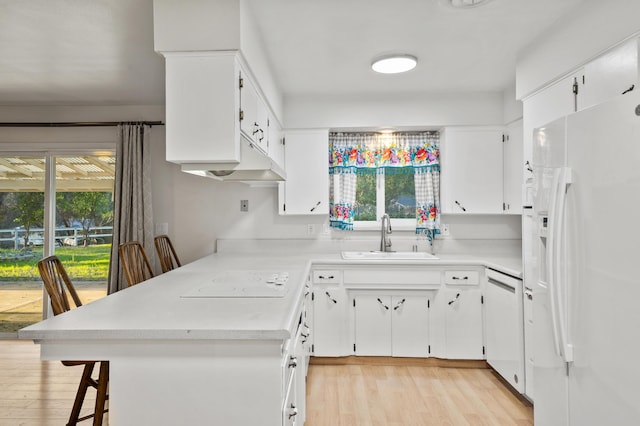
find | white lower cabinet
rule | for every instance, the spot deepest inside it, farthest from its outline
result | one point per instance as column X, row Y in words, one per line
column 398, row 311
column 330, row 325
column 460, row 311
column 391, row 325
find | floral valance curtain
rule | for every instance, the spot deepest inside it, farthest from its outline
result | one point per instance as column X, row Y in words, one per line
column 353, row 154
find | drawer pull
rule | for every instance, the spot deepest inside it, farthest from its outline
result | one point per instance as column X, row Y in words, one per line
column 322, row 277
column 456, row 298
column 458, row 278
column 400, row 303
column 385, row 306
column 330, row 298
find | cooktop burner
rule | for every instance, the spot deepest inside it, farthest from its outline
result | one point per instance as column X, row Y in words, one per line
column 243, row 283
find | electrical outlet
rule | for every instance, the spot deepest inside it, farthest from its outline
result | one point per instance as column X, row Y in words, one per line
column 311, row 229
column 244, row 205
column 325, row 229
column 444, row 230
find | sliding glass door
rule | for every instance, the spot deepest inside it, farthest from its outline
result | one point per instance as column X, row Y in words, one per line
column 53, row 204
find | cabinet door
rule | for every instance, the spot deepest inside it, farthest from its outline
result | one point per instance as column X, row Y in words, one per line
column 373, row 325
column 463, row 323
column 306, row 191
column 202, row 108
column 261, row 137
column 513, row 161
column 249, row 107
column 276, row 143
column 410, row 326
column 330, row 336
column 610, row 75
column 545, row 106
column 472, row 170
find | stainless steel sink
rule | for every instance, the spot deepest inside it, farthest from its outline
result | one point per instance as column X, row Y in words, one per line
column 387, row 255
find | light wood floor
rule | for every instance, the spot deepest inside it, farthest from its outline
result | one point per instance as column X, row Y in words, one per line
column 410, row 395
column 40, row 393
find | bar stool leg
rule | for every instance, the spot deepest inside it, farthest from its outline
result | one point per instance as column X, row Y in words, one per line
column 101, row 397
column 82, row 391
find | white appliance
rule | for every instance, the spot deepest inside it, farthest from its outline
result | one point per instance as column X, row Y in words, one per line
column 586, row 300
column 504, row 331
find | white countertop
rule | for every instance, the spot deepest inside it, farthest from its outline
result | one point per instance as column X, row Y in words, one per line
column 157, row 309
column 507, row 264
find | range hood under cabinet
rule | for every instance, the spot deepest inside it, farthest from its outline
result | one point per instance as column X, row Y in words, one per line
column 255, row 166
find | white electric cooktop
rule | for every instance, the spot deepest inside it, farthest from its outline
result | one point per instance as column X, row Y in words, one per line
column 242, row 283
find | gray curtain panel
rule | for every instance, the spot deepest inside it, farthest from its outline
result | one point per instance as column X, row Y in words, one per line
column 133, row 215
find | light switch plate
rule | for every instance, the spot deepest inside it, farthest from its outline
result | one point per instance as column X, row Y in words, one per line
column 244, row 205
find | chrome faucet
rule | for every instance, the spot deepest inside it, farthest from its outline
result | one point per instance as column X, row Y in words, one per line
column 385, row 243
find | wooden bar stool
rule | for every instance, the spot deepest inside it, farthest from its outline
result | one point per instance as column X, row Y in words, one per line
column 57, row 283
column 166, row 253
column 134, row 262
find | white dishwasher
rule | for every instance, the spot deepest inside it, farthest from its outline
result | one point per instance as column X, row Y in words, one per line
column 504, row 328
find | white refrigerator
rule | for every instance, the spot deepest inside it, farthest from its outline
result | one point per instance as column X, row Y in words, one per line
column 586, row 301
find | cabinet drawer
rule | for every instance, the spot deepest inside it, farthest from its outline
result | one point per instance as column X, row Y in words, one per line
column 327, row 276
column 461, row 277
column 392, row 276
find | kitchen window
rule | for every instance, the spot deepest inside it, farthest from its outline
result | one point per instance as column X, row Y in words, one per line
column 373, row 174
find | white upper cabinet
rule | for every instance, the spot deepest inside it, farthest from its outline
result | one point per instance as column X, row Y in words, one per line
column 610, row 75
column 513, row 168
column 254, row 117
column 306, row 191
column 202, row 107
column 471, row 177
column 551, row 103
column 211, row 103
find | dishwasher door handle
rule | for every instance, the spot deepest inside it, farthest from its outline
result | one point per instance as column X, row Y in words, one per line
column 502, row 285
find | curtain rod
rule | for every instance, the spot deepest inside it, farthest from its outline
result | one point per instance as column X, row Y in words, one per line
column 81, row 124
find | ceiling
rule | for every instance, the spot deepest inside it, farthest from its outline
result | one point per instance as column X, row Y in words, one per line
column 100, row 52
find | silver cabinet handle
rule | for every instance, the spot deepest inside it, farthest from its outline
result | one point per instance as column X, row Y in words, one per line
column 314, row 207
column 529, row 294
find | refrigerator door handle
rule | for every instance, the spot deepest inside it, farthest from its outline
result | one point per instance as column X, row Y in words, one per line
column 562, row 179
column 551, row 259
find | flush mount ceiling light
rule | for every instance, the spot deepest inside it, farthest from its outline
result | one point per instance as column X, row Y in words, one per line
column 393, row 64
column 464, row 4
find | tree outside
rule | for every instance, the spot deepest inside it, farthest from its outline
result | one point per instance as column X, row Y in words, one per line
column 30, row 212
column 88, row 209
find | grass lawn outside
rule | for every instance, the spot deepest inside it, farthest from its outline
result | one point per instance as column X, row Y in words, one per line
column 21, row 292
column 81, row 263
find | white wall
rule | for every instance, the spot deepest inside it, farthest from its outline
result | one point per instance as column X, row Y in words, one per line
column 512, row 107
column 589, row 30
column 200, row 210
column 402, row 110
